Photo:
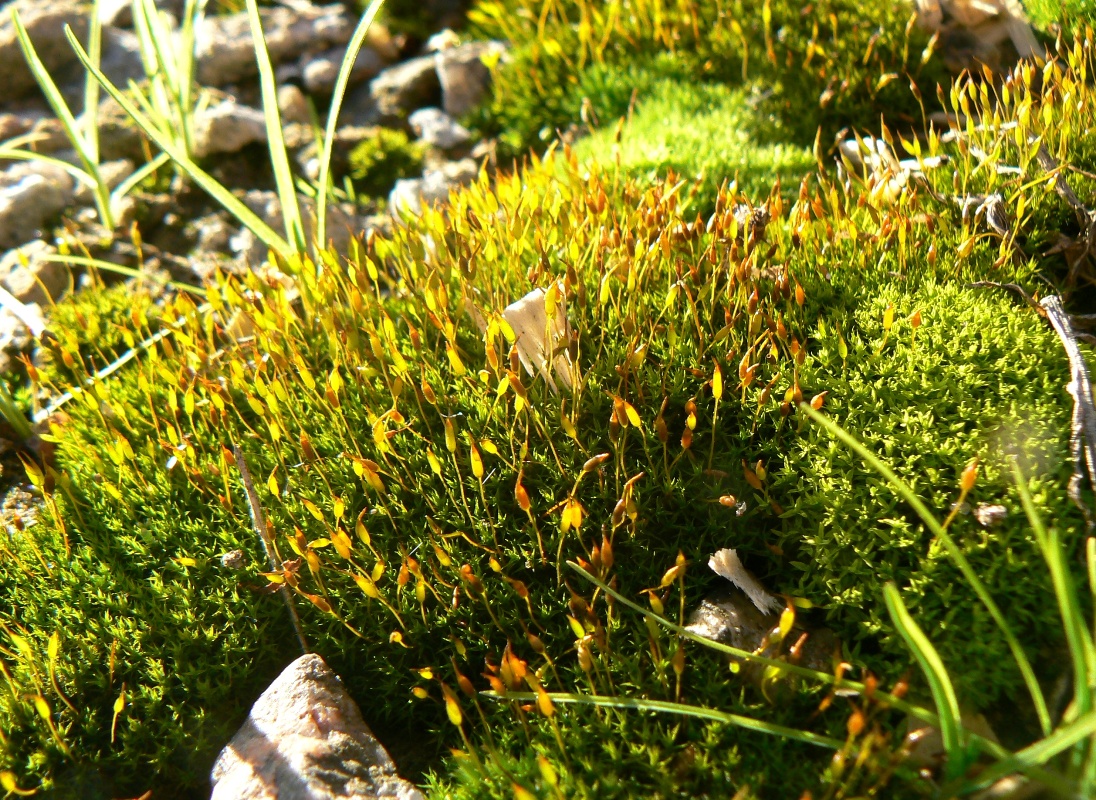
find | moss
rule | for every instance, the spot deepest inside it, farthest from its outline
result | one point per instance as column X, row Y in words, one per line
column 378, row 161
column 1071, row 14
column 92, row 327
column 831, row 64
column 427, row 490
column 707, row 133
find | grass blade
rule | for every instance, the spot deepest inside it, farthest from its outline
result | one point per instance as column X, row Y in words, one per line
column 676, row 708
column 129, row 272
column 91, row 86
column 1078, row 638
column 943, row 693
column 18, row 154
column 907, row 494
column 918, row 712
column 138, row 175
column 341, row 83
column 1034, row 756
column 229, row 201
column 279, row 159
column 68, row 122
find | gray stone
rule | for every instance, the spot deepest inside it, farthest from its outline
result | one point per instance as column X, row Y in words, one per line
column 227, row 128
column 293, row 105
column 50, row 136
column 399, row 90
column 409, row 197
column 121, row 59
column 113, row 172
column 38, row 280
column 320, row 71
column 437, row 129
column 30, row 194
column 119, row 136
column 346, row 139
column 45, row 24
column 226, row 53
column 119, row 13
column 464, row 77
column 341, row 225
column 305, row 740
column 12, row 125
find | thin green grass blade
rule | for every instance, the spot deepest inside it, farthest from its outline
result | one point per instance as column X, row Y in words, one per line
column 1078, row 638
column 676, row 708
column 923, row 714
column 91, row 86
column 343, row 80
column 138, row 175
column 229, row 201
column 279, row 159
column 14, row 415
column 18, row 154
column 1034, row 756
column 943, row 693
column 907, row 494
column 129, row 272
column 193, row 13
column 68, row 122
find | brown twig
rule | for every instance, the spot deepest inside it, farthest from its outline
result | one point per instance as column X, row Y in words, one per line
column 258, row 522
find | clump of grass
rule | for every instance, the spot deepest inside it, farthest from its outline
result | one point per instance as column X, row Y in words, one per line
column 383, row 158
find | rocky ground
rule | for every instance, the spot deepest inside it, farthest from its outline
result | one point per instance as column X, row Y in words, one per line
column 398, row 84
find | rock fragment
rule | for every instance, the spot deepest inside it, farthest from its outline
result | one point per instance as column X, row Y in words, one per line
column 30, row 194
column 37, row 280
column 226, row 53
column 227, row 127
column 408, row 196
column 464, row 76
column 403, row 88
column 305, row 739
column 437, row 129
column 45, row 24
column 320, row 71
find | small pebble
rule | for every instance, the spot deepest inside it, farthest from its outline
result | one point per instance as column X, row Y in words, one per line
column 233, row 559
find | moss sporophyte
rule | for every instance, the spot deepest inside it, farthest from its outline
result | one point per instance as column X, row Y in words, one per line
column 494, row 449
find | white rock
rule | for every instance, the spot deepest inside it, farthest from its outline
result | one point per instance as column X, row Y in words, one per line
column 305, row 740
column 437, row 129
column 227, row 128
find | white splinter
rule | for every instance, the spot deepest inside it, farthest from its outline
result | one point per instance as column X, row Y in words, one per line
column 537, row 339
column 727, row 564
